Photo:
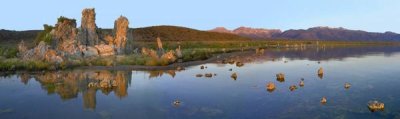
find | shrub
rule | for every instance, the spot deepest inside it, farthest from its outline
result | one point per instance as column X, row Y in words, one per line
column 44, row 35
column 9, row 52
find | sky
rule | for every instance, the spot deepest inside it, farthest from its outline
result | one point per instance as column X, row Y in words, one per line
column 368, row 15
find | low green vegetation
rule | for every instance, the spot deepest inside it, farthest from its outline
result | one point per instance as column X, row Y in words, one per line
column 44, row 35
column 8, row 52
column 13, row 64
column 62, row 19
column 191, row 51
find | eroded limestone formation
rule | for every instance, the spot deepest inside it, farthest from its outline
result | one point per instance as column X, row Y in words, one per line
column 64, row 36
column 42, row 52
column 121, row 27
column 69, row 41
column 88, row 35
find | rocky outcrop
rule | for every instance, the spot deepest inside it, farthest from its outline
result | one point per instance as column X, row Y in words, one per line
column 105, row 50
column 42, row 52
column 168, row 56
column 68, row 41
column 89, row 51
column 22, row 47
column 178, row 52
column 52, row 56
column 121, row 26
column 64, row 36
column 88, row 35
column 149, row 52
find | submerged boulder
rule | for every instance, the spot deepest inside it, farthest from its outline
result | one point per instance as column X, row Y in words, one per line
column 176, row 103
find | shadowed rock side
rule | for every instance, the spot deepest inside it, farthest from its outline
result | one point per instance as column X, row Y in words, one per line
column 88, row 35
column 68, row 85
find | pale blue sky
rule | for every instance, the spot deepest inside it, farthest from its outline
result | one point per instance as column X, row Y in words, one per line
column 369, row 15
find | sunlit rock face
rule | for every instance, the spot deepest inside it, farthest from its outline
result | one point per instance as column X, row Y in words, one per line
column 120, row 32
column 105, row 50
column 64, row 36
column 69, row 41
column 88, row 35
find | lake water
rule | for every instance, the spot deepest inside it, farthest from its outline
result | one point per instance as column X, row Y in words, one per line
column 374, row 74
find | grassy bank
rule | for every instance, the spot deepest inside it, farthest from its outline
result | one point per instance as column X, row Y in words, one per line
column 191, row 51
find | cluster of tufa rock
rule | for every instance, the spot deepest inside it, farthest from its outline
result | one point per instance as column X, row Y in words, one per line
column 376, row 106
column 87, row 41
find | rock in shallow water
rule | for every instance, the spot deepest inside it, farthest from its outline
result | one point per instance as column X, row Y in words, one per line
column 347, row 85
column 376, row 106
column 270, row 86
column 234, row 76
column 323, row 100
column 280, row 77
column 292, row 87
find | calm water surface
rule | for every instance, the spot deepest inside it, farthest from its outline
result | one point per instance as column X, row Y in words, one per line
column 372, row 72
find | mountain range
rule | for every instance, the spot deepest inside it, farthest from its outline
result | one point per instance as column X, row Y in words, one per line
column 315, row 33
column 220, row 33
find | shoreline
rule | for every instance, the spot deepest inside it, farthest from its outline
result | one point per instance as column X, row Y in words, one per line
column 173, row 66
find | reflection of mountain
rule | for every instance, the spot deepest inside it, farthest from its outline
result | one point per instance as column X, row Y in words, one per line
column 68, row 84
column 159, row 73
column 309, row 53
column 317, row 54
